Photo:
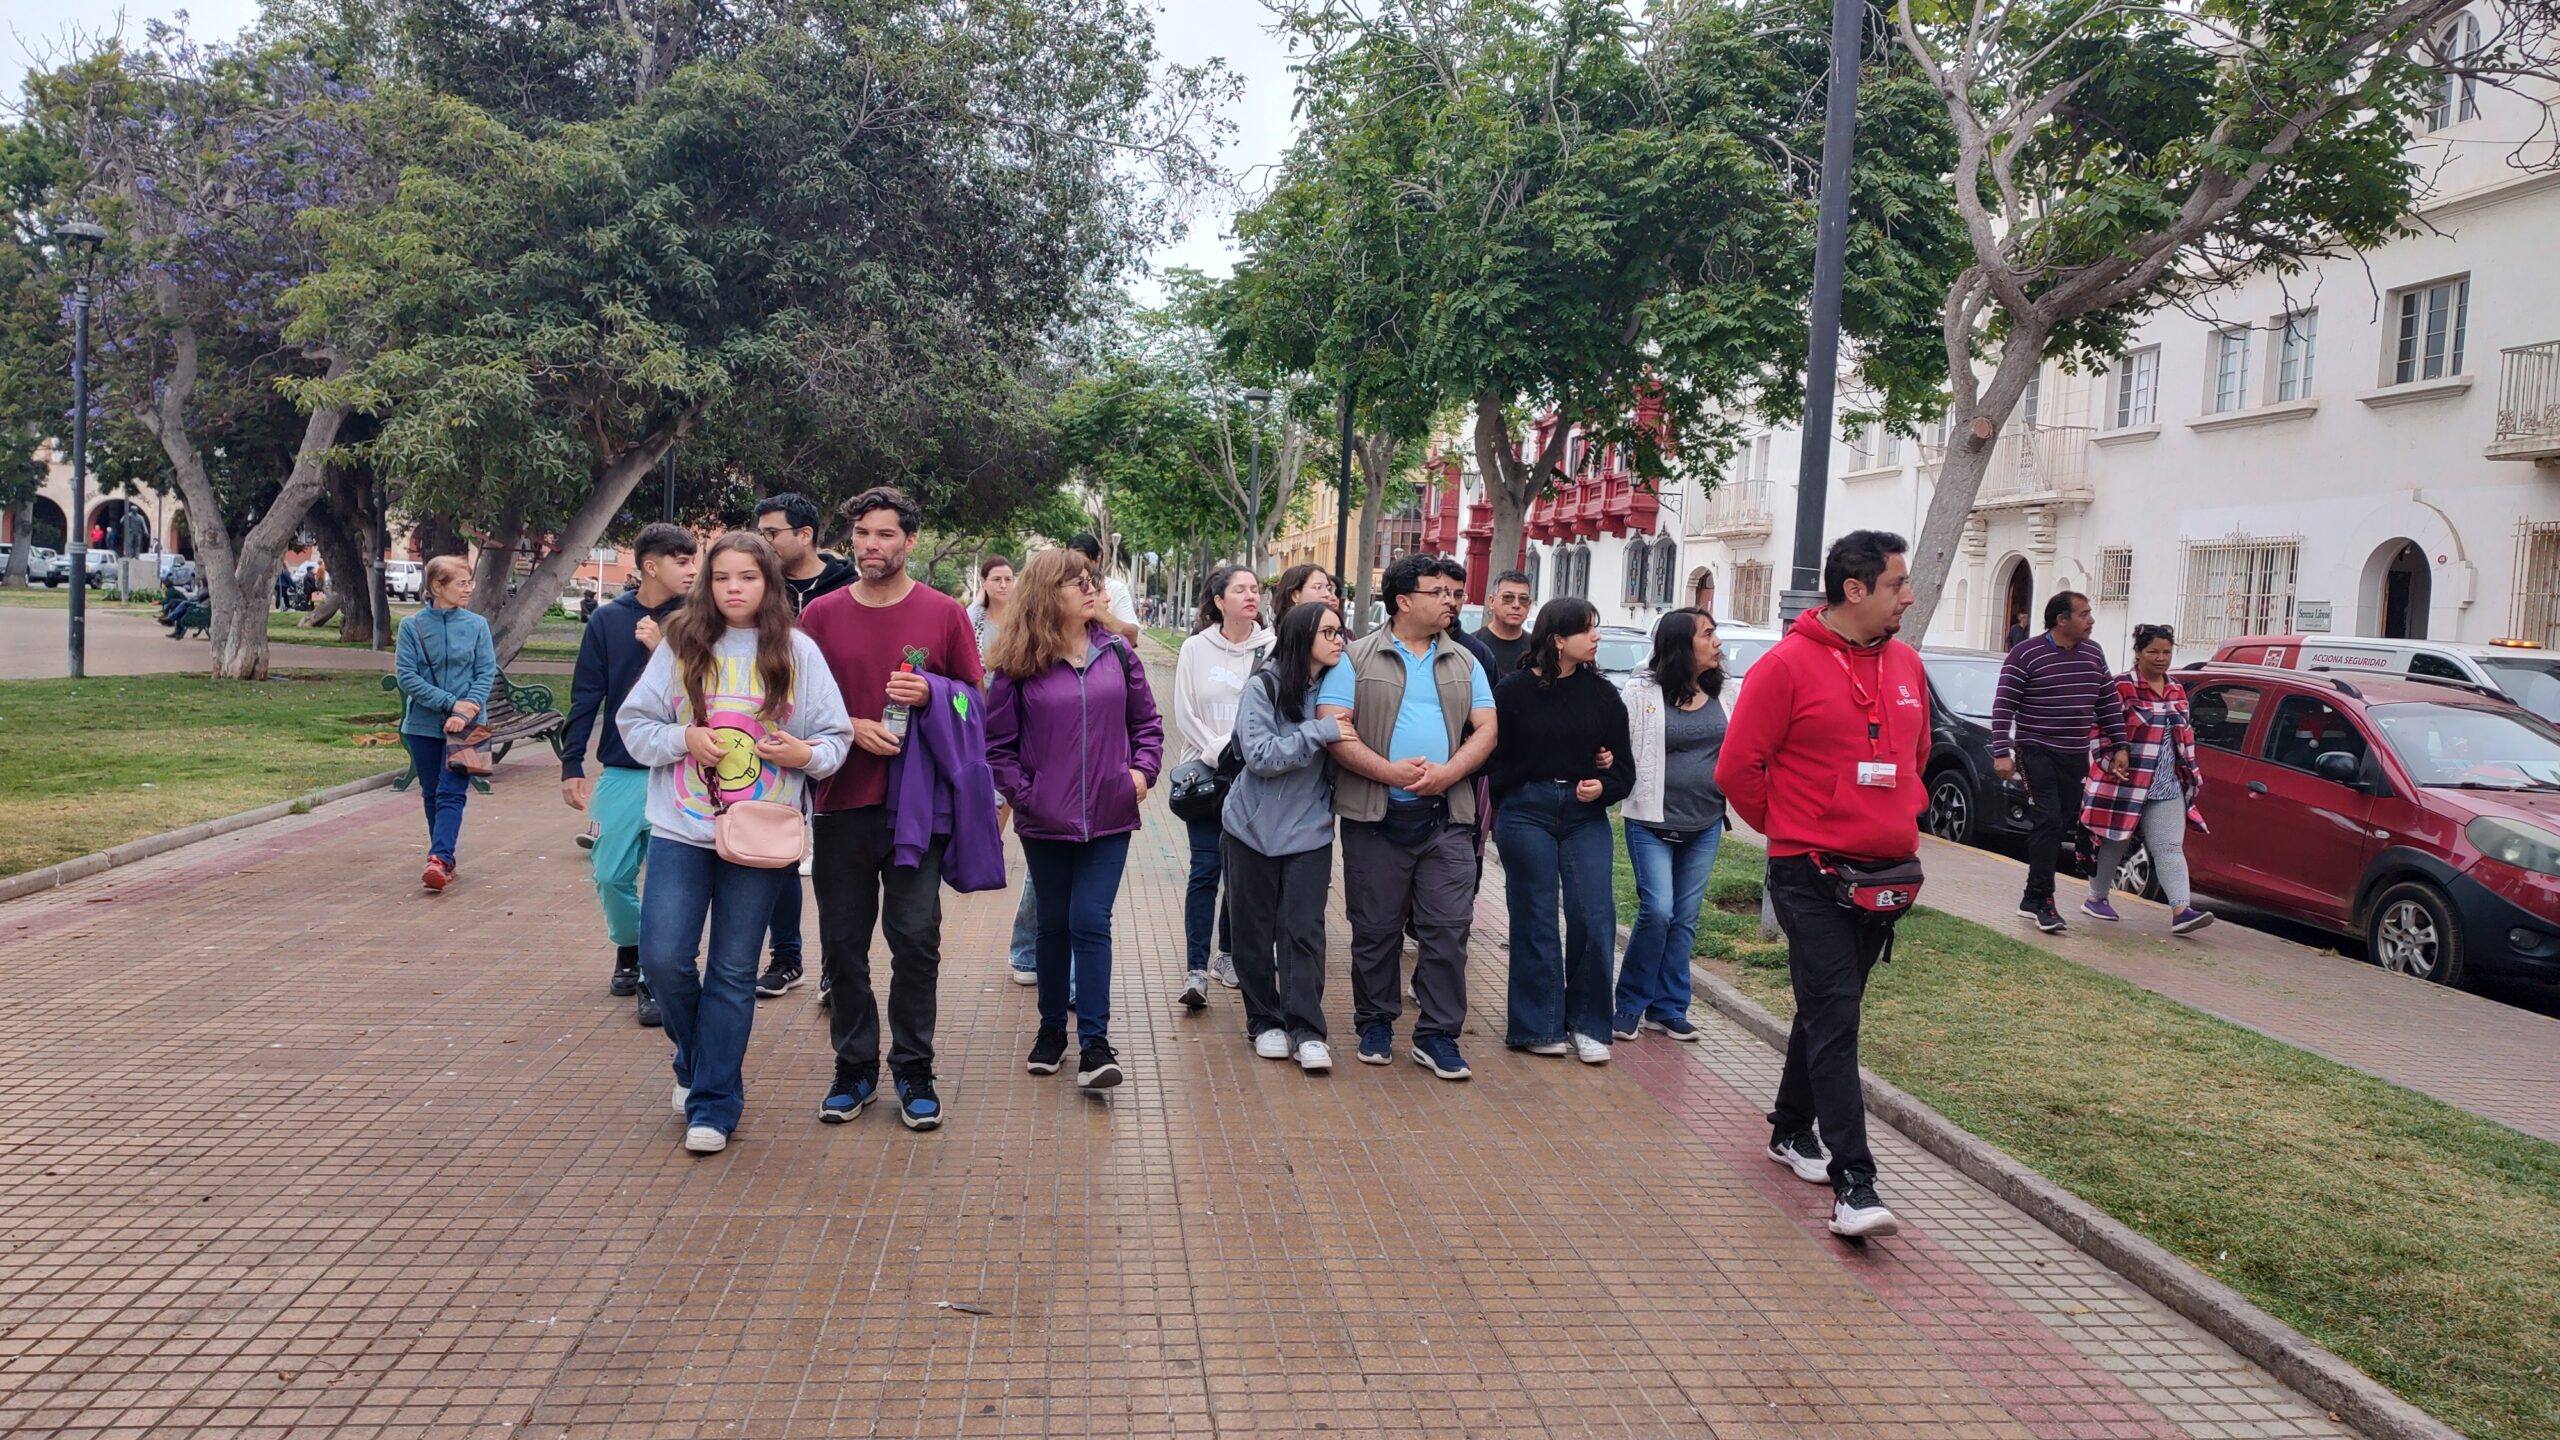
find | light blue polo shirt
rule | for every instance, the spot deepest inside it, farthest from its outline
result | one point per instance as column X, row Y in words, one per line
column 1420, row 727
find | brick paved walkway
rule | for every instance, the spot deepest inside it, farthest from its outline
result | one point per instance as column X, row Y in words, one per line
column 294, row 1148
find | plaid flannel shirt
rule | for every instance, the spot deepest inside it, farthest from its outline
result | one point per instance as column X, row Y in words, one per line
column 2156, row 729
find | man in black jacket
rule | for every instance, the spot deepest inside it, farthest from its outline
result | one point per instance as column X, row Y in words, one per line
column 611, row 655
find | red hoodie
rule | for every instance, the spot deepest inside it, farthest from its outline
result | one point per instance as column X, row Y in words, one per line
column 1799, row 732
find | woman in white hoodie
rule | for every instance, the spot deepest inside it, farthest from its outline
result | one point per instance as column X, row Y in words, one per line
column 1228, row 640
column 1674, row 819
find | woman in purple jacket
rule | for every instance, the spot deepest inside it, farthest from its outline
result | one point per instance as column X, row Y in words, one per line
column 1074, row 741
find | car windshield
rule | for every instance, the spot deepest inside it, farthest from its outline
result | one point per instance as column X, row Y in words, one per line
column 1965, row 684
column 2468, row 747
column 2531, row 683
column 1623, row 654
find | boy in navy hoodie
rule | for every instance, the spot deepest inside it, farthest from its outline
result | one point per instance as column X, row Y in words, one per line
column 619, row 639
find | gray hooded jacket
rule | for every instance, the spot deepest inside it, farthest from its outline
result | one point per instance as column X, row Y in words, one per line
column 1283, row 802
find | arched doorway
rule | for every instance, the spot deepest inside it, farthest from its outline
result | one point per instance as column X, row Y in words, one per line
column 47, row 529
column 2017, row 605
column 1702, row 589
column 2399, row 586
column 124, row 526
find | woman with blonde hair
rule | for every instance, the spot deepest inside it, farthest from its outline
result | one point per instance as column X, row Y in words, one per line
column 1075, row 743
column 445, row 664
column 735, row 705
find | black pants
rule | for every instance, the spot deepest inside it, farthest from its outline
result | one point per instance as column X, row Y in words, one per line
column 1278, row 903
column 2054, row 778
column 856, row 887
column 1829, row 952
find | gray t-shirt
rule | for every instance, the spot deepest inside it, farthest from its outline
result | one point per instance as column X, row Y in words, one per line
column 1691, row 739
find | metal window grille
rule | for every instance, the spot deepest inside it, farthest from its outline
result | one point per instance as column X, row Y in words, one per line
column 1751, row 592
column 2433, row 319
column 2138, row 389
column 1632, row 591
column 1666, row 559
column 2237, row 587
column 2230, row 370
column 2115, row 575
column 2296, row 350
column 2536, row 616
column 1537, row 563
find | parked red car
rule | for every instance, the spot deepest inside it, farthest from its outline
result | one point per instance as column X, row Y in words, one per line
column 2420, row 815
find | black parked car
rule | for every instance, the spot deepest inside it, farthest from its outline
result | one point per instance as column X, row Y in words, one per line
column 1967, row 802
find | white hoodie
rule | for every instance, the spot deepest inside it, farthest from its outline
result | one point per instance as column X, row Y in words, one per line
column 1208, row 680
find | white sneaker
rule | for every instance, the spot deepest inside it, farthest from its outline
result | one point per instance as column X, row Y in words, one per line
column 1552, row 1047
column 1023, row 977
column 1314, row 1057
column 1222, row 968
column 682, row 1095
column 1272, row 1044
column 1859, row 1214
column 704, row 1140
column 808, row 845
column 1590, row 1051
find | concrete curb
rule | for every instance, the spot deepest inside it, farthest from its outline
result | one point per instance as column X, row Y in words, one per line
column 2358, row 1400
column 55, row 876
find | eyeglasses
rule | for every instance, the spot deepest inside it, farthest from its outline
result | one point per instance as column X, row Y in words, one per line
column 775, row 532
column 1079, row 582
column 1329, row 632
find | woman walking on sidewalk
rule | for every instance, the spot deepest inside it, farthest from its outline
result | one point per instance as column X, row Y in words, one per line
column 1301, row 583
column 446, row 664
column 1227, row 641
column 994, row 603
column 1075, row 743
column 1278, row 828
column 2153, row 798
column 1674, row 818
column 735, row 705
column 1560, row 760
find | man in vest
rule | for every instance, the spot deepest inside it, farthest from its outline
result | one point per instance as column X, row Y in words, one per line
column 1421, row 711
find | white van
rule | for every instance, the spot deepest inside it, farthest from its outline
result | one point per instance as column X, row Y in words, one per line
column 2518, row 669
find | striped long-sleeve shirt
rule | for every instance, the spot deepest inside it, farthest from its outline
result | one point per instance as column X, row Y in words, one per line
column 2055, row 698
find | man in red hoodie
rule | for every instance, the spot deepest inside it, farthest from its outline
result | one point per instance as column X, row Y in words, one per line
column 1823, row 757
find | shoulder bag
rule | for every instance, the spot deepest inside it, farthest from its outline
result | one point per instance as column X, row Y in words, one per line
column 760, row 834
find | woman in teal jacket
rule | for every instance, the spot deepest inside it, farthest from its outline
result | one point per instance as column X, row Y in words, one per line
column 447, row 663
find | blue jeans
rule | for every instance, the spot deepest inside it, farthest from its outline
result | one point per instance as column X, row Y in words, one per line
column 709, row 1012
column 1079, row 882
column 1671, row 885
column 1200, row 907
column 1026, row 927
column 1549, row 840
column 442, row 791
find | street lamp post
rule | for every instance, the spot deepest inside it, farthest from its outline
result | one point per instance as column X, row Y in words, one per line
column 1254, row 399
column 1830, row 264
column 85, row 241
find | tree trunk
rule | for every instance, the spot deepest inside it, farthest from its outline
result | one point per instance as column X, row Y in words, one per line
column 22, row 526
column 1510, row 482
column 337, row 523
column 1969, row 443
column 1373, row 506
column 513, row 618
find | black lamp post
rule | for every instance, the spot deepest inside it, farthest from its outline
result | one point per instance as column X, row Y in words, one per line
column 1830, row 264
column 82, row 241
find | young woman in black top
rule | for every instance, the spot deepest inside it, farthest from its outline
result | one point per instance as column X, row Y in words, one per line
column 1561, row 760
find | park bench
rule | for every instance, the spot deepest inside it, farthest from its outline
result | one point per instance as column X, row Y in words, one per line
column 512, row 712
column 197, row 616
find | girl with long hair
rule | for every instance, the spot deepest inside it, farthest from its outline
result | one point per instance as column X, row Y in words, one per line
column 1075, row 744
column 1560, row 760
column 1228, row 639
column 736, row 704
column 2160, row 786
column 1301, row 583
column 995, row 601
column 446, row 663
column 1674, row 818
column 1278, row 833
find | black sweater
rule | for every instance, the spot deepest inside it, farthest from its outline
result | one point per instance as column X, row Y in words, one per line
column 1556, row 732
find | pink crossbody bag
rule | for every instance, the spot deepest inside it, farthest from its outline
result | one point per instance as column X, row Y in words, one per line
column 760, row 834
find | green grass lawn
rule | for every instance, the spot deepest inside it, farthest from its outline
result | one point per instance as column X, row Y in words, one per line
column 87, row 764
column 553, row 639
column 2418, row 1241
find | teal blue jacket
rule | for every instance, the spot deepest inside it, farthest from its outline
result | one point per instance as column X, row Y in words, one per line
column 445, row 657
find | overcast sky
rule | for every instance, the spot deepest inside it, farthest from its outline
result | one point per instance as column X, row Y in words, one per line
column 1187, row 30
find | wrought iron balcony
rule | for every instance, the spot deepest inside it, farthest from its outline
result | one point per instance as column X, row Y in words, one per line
column 2528, row 403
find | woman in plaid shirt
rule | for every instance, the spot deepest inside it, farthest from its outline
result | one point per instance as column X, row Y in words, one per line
column 2154, row 796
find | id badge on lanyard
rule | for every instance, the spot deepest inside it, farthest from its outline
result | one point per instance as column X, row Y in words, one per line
column 1875, row 772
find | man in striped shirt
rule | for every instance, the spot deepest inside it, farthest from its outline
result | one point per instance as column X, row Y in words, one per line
column 2056, row 692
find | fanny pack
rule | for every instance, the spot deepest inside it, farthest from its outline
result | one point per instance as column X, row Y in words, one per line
column 1408, row 824
column 1874, row 889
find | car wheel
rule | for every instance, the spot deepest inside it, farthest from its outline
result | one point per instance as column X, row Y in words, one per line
column 2412, row 931
column 1951, row 807
column 2136, row 877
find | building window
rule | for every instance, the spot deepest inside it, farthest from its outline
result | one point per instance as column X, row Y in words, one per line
column 1582, row 571
column 2296, row 347
column 2432, row 321
column 2536, row 615
column 1536, row 564
column 1751, row 592
column 2115, row 575
column 1872, row 447
column 2230, row 370
column 1575, row 450
column 2138, row 389
column 2457, row 95
column 2237, row 587
column 1631, row 590
column 2031, row 400
column 1666, row 561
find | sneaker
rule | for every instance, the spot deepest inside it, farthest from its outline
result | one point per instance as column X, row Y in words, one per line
column 1622, row 1029
column 1802, row 1153
column 1675, row 1026
column 918, row 1107
column 1047, row 1051
column 847, row 1096
column 1195, row 991
column 779, row 977
column 823, row 996
column 1550, row 1048
column 1377, row 1043
column 704, row 1140
column 2095, row 910
column 1314, row 1056
column 2049, row 920
column 1023, row 977
column 682, row 1095
column 1857, row 1213
column 1097, row 1068
column 1439, row 1055
column 436, row 876
column 647, row 1011
column 1222, row 968
column 1590, row 1051
column 1272, row 1044
column 626, row 971
column 2189, row 921
column 587, row 837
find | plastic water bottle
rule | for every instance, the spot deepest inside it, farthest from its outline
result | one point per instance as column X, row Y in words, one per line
column 894, row 717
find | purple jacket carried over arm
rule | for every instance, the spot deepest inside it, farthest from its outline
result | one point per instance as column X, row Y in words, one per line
column 939, row 785
column 1063, row 742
